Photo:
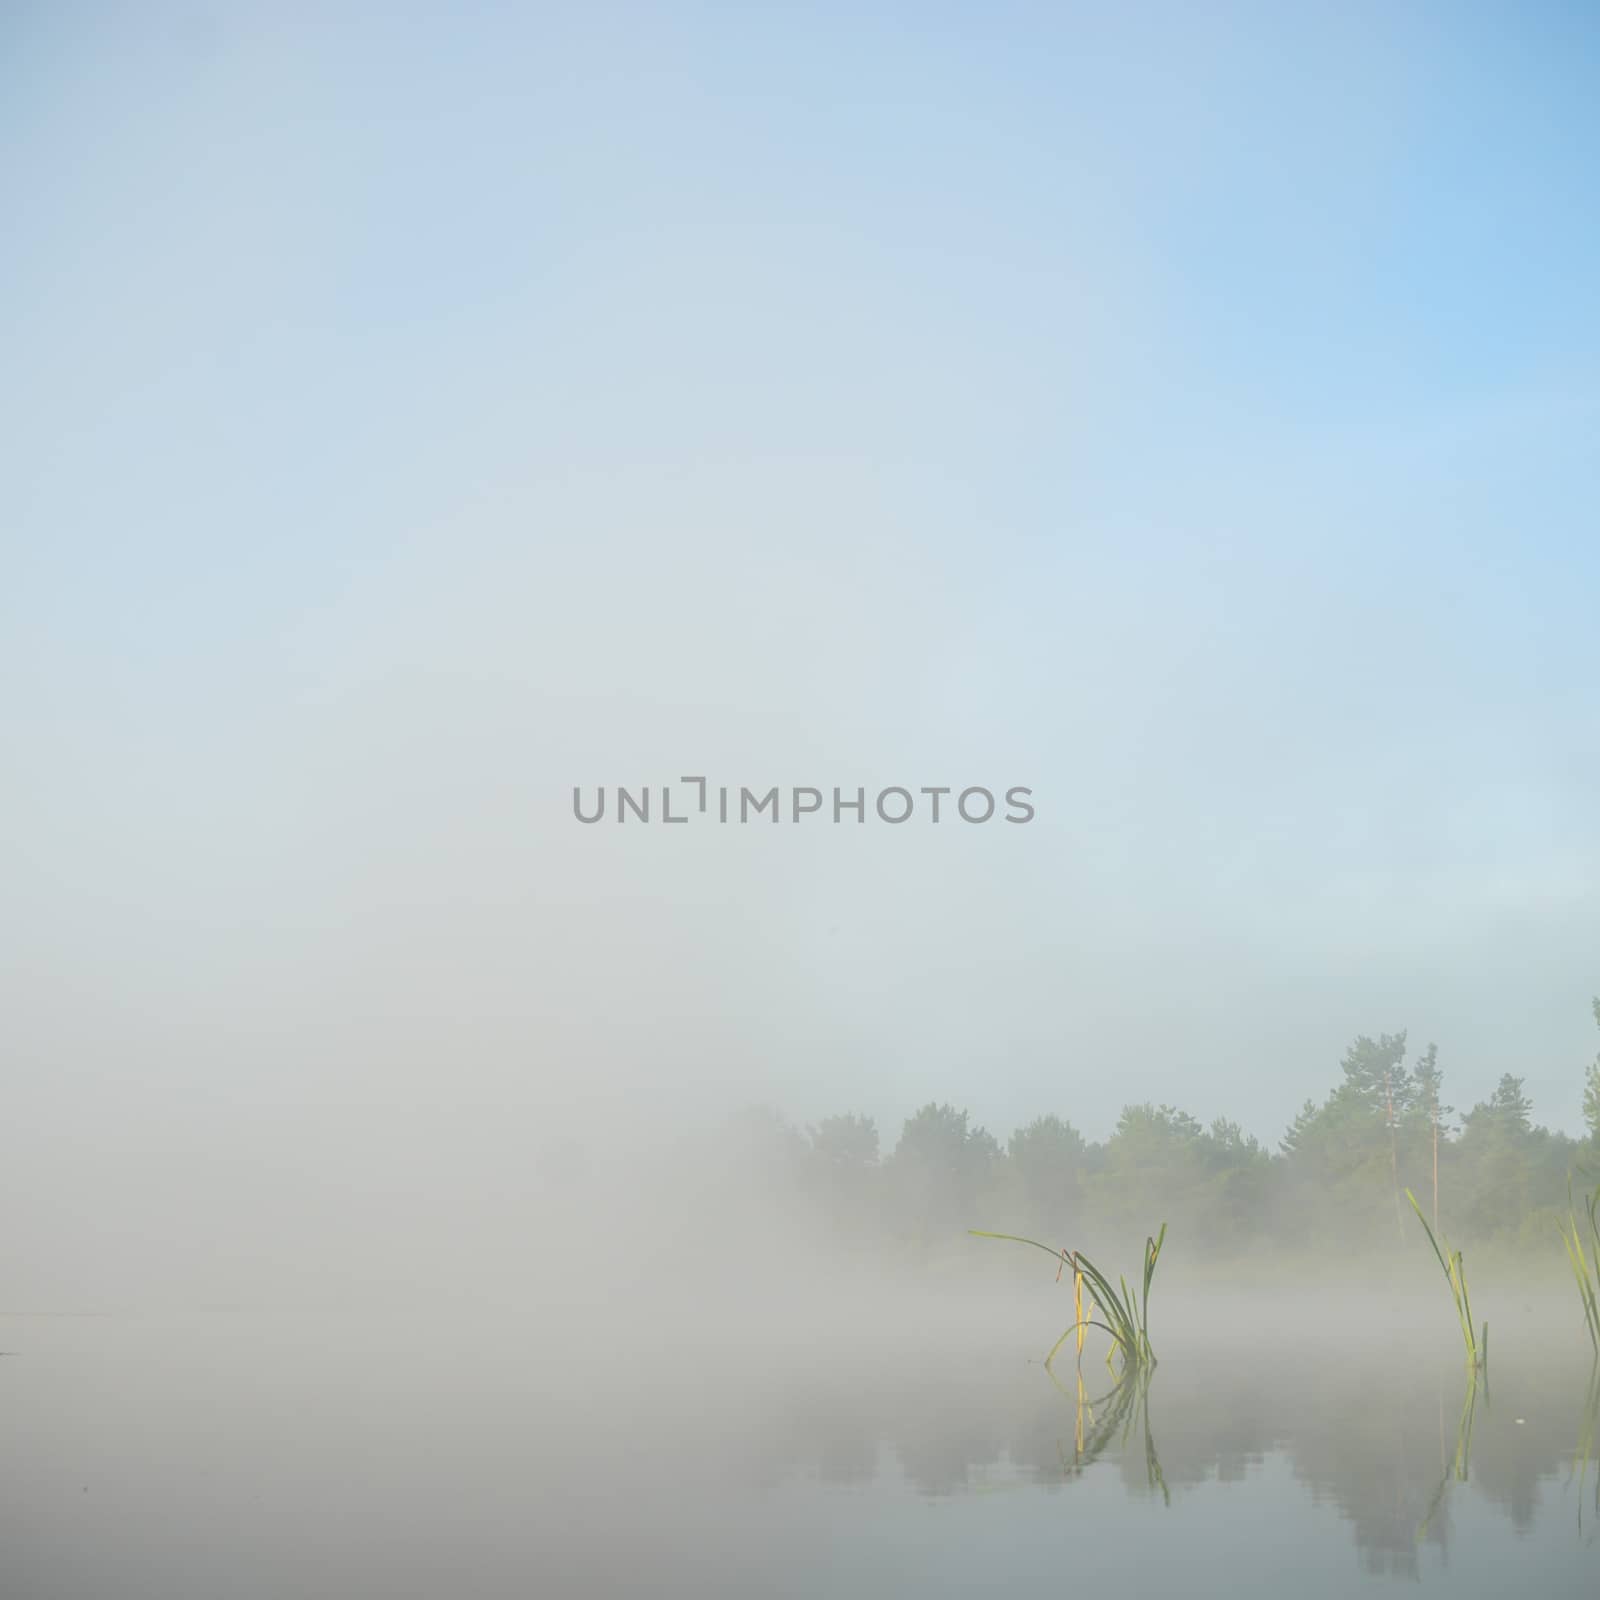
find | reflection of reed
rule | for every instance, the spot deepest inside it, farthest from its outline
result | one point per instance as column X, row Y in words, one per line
column 1457, row 1470
column 1127, row 1401
column 1586, row 1443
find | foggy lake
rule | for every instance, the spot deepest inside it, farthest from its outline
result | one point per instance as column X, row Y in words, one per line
column 658, row 660
column 314, row 1455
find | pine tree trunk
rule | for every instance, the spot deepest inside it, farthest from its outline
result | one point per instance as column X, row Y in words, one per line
column 1394, row 1156
column 1435, row 1118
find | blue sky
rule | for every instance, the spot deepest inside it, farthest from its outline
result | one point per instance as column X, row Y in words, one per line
column 411, row 415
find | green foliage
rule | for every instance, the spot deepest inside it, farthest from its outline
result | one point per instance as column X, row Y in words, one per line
column 1507, row 1112
column 1333, row 1188
column 844, row 1174
column 1046, row 1163
column 1336, row 1183
column 1374, row 1075
column 940, row 1167
column 845, row 1145
column 1426, row 1109
column 1503, row 1169
column 1163, row 1159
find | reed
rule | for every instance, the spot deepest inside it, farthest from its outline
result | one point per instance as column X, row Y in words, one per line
column 1126, row 1311
column 1455, row 1274
column 1583, row 1272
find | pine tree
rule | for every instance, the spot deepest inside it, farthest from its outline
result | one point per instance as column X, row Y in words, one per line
column 1373, row 1071
column 1429, row 1080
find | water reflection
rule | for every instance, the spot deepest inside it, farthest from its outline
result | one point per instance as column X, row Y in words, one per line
column 1460, row 1468
column 1388, row 1443
column 1584, row 1465
column 137, row 1462
column 1126, row 1402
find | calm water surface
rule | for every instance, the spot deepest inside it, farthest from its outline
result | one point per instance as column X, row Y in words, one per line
column 337, row 1457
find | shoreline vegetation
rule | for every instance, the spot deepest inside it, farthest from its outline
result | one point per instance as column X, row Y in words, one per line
column 1335, row 1188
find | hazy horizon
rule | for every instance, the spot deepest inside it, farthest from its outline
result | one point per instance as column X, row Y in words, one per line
column 423, row 1172
column 410, row 420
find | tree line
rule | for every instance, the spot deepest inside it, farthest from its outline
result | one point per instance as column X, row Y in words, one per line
column 1336, row 1182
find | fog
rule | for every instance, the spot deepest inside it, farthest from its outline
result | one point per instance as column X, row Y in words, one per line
column 1054, row 544
column 410, row 424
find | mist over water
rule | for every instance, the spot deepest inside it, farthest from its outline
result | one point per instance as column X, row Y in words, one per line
column 905, row 1444
column 1132, row 467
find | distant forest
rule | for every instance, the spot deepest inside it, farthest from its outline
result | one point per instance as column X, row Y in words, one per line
column 1334, row 1185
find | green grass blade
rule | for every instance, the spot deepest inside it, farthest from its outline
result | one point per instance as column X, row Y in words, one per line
column 1444, row 1267
column 1016, row 1238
